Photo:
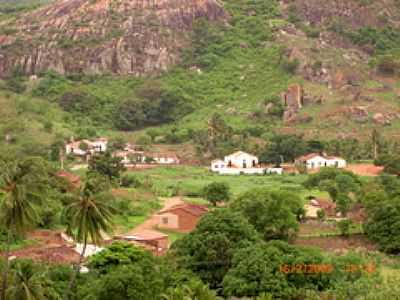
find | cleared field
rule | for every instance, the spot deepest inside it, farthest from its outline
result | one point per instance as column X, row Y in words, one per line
column 189, row 182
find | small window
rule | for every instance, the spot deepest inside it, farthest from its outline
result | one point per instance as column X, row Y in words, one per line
column 165, row 220
column 216, row 166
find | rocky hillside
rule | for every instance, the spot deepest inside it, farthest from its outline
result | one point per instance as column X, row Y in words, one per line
column 102, row 36
column 328, row 70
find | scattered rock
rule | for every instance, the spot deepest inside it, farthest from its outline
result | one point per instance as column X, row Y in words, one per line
column 268, row 107
column 231, row 111
column 297, row 119
column 379, row 118
column 359, row 114
column 367, row 98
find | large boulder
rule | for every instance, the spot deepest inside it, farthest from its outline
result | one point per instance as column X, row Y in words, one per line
column 103, row 36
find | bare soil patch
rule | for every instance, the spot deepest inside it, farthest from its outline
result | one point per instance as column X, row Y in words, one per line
column 338, row 243
column 365, row 169
column 50, row 248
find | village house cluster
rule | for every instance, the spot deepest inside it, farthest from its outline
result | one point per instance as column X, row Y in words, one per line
column 130, row 155
column 244, row 163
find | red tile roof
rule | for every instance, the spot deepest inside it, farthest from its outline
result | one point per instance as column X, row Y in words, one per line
column 328, row 206
column 308, row 156
column 73, row 179
column 145, row 235
column 193, row 209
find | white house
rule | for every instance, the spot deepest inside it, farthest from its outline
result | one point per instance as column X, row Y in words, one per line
column 75, row 148
column 95, row 146
column 241, row 163
column 130, row 156
column 99, row 145
column 242, row 160
column 316, row 161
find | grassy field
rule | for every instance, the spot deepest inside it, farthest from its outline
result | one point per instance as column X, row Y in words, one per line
column 189, row 181
column 134, row 207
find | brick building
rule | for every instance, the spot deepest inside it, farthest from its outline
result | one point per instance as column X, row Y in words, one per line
column 182, row 217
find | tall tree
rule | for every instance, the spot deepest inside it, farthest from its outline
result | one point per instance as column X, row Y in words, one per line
column 274, row 214
column 107, row 165
column 284, row 148
column 89, row 215
column 22, row 185
column 216, row 192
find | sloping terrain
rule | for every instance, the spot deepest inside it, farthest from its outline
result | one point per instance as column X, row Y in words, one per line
column 340, row 58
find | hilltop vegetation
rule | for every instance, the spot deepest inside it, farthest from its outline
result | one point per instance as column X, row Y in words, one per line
column 238, row 68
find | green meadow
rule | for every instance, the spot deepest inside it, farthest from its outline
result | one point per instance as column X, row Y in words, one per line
column 189, row 182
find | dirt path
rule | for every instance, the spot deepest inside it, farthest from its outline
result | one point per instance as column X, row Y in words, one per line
column 150, row 223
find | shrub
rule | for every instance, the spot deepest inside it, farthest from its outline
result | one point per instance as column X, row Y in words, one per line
column 290, row 66
column 131, row 181
column 321, row 214
column 344, row 227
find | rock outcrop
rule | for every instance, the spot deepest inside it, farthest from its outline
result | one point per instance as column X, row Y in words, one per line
column 103, row 36
column 292, row 99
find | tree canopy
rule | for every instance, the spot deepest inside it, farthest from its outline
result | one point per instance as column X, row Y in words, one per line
column 208, row 250
column 274, row 214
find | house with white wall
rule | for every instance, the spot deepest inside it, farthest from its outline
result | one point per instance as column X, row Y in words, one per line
column 319, row 160
column 162, row 158
column 86, row 147
column 130, row 157
column 241, row 163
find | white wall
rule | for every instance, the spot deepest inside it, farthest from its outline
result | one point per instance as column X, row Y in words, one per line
column 99, row 146
column 217, row 165
column 165, row 160
column 74, row 150
column 241, row 160
column 239, row 171
column 320, row 162
column 316, row 162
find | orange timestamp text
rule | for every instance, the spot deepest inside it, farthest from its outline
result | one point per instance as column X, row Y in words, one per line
column 324, row 268
column 306, row 268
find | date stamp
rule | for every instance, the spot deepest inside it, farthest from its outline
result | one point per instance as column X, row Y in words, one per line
column 325, row 268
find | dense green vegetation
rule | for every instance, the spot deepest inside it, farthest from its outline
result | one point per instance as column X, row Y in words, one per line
column 240, row 250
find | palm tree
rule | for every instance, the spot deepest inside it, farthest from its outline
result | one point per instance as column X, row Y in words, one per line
column 89, row 215
column 21, row 186
column 30, row 283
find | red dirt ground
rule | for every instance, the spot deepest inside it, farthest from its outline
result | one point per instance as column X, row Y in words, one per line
column 365, row 169
column 337, row 243
column 50, row 247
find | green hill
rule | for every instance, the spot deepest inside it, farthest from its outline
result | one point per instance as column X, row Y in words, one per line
column 239, row 68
